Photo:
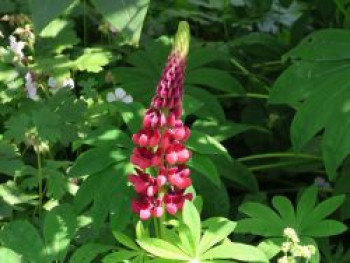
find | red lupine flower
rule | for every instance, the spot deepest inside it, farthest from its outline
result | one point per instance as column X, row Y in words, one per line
column 160, row 142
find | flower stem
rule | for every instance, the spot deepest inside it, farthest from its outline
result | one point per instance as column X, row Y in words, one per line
column 156, row 227
column 40, row 181
column 245, row 95
column 280, row 155
column 278, row 165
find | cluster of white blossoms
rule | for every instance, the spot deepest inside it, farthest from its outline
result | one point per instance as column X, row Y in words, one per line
column 55, row 85
column 17, row 47
column 292, row 249
column 119, row 95
column 30, row 86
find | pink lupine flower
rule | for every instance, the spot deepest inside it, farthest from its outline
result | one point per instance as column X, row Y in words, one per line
column 160, row 142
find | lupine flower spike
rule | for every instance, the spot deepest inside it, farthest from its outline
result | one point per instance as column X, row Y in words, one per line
column 160, row 155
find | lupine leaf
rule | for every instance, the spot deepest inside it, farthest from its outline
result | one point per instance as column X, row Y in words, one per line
column 306, row 204
column 286, row 210
column 325, row 228
column 216, row 230
column 162, row 249
column 236, row 251
column 191, row 218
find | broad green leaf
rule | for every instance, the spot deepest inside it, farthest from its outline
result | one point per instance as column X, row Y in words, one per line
column 87, row 252
column 200, row 56
column 106, row 135
column 216, row 79
column 222, row 131
column 191, row 105
column 95, row 160
column 236, row 172
column 306, row 123
column 286, row 210
column 126, row 16
column 306, row 204
column 13, row 195
column 16, row 126
column 119, row 256
column 191, row 218
column 205, row 166
column 215, row 198
column 9, row 256
column 59, row 228
column 24, row 239
column 162, row 249
column 324, row 209
column 57, row 183
column 258, row 226
column 323, row 45
column 47, row 123
column 10, row 164
column 52, row 9
column 132, row 114
column 335, row 142
column 203, row 143
column 211, row 109
column 325, row 228
column 57, row 36
column 236, row 251
column 217, row 229
column 93, row 60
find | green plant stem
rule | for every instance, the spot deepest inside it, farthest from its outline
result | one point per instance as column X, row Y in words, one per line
column 156, row 227
column 85, row 29
column 278, row 165
column 247, row 72
column 279, row 155
column 40, row 182
column 246, row 95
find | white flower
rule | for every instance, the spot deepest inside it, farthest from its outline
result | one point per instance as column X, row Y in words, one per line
column 52, row 82
column 16, row 47
column 69, row 82
column 119, row 95
column 291, row 234
column 30, row 87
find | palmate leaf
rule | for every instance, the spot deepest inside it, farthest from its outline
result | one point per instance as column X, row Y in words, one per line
column 236, row 251
column 320, row 77
column 141, row 79
column 87, row 252
column 264, row 221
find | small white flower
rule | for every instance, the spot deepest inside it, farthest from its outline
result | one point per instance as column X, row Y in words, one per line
column 69, row 82
column 16, row 47
column 127, row 99
column 30, row 87
column 52, row 82
column 291, row 234
column 119, row 95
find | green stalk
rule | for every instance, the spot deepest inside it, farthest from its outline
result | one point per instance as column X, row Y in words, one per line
column 40, row 182
column 280, row 155
column 246, row 95
column 278, row 165
column 156, row 227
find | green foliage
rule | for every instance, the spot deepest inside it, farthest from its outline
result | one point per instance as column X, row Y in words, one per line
column 266, row 99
